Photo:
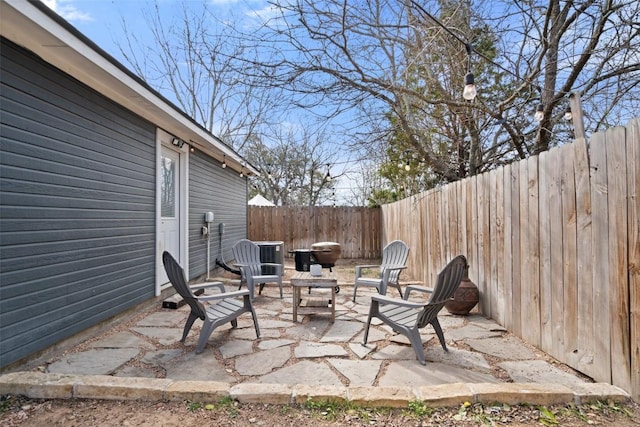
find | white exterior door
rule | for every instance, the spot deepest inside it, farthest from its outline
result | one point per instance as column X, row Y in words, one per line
column 169, row 181
column 171, row 206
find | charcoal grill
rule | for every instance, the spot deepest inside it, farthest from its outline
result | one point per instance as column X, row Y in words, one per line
column 326, row 254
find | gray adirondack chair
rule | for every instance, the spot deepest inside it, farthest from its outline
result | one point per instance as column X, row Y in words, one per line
column 228, row 305
column 408, row 317
column 247, row 258
column 394, row 259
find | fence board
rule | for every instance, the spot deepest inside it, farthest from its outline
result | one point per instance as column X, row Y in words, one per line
column 569, row 258
column 500, row 256
column 525, row 255
column 472, row 235
column 515, row 248
column 618, row 273
column 483, row 245
column 493, row 244
column 452, row 220
column 584, row 237
column 556, row 251
column 445, row 247
column 434, row 232
column 462, row 217
column 633, row 189
column 507, row 256
column 546, row 330
column 532, row 332
column 600, row 230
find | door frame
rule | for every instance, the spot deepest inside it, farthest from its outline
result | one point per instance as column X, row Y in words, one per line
column 163, row 140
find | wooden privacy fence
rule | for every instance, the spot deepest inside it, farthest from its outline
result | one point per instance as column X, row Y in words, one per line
column 553, row 243
column 357, row 229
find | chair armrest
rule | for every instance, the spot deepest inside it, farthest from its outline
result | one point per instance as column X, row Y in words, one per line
column 396, row 301
column 279, row 267
column 224, row 295
column 207, row 285
column 359, row 269
column 416, row 288
column 394, row 267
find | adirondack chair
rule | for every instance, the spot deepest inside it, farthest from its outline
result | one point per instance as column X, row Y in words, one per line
column 228, row 306
column 394, row 259
column 408, row 317
column 247, row 258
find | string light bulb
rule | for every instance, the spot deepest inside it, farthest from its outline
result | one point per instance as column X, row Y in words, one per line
column 539, row 115
column 224, row 161
column 567, row 114
column 192, row 149
column 469, row 93
column 407, row 167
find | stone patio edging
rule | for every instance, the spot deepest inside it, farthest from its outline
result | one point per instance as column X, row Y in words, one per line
column 40, row 385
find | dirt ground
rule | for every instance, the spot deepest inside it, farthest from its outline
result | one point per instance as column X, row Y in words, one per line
column 16, row 411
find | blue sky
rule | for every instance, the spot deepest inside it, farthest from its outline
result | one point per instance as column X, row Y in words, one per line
column 101, row 20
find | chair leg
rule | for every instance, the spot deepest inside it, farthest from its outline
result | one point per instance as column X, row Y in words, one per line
column 205, row 333
column 382, row 288
column 187, row 327
column 251, row 288
column 438, row 329
column 373, row 310
column 416, row 343
column 355, row 288
column 255, row 322
column 280, row 286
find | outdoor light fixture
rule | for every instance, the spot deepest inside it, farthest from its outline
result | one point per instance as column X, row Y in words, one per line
column 539, row 113
column 567, row 114
column 469, row 92
column 177, row 142
column 224, row 161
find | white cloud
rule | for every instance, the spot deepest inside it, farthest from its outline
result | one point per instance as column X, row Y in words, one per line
column 67, row 10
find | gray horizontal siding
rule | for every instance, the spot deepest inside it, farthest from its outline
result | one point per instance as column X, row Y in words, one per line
column 77, row 206
column 223, row 192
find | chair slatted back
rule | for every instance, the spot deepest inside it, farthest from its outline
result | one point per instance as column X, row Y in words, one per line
column 395, row 253
column 447, row 283
column 248, row 253
column 177, row 279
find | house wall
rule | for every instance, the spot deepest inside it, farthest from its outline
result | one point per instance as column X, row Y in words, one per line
column 77, row 206
column 223, row 192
